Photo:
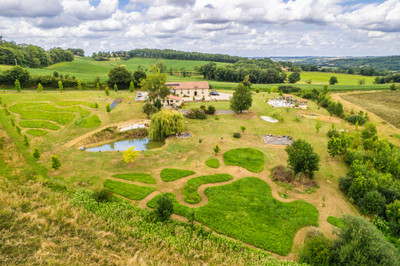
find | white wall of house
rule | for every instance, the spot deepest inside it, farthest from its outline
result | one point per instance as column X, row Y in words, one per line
column 197, row 93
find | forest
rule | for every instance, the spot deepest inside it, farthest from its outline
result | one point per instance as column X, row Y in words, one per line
column 28, row 55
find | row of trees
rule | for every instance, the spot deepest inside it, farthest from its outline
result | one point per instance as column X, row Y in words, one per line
column 166, row 54
column 28, row 55
column 238, row 71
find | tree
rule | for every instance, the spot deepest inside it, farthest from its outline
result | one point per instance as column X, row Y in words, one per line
column 115, row 88
column 333, row 80
column 360, row 243
column 154, row 84
column 131, row 87
column 120, row 77
column 241, row 99
column 79, row 85
column 217, row 149
column 335, row 146
column 373, row 203
column 130, row 155
column 17, row 85
column 294, row 77
column 55, row 162
column 17, row 72
column 39, row 87
column 138, row 76
column 243, row 128
column 149, row 109
column 98, row 86
column 393, row 87
column 183, row 71
column 107, row 91
column 164, row 207
column 165, row 123
column 302, row 157
column 318, row 125
column 369, row 131
column 108, row 108
column 60, row 86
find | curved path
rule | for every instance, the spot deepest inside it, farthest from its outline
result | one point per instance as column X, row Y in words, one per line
column 327, row 199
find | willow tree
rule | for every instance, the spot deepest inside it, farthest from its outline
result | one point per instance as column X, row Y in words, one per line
column 166, row 123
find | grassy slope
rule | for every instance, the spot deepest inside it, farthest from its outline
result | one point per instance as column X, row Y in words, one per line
column 170, row 174
column 384, row 104
column 41, row 226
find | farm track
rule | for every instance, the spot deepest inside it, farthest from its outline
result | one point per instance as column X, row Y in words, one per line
column 327, row 199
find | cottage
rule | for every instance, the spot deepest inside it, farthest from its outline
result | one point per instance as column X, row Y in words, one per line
column 172, row 101
column 196, row 89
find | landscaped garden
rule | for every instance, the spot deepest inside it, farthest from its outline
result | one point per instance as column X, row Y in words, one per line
column 213, row 185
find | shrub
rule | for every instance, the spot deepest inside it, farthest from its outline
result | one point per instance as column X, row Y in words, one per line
column 282, row 174
column 333, row 133
column 36, row 153
column 210, row 110
column 243, row 128
column 353, row 119
column 164, row 207
column 257, row 90
column 236, row 135
column 102, row 195
column 196, row 113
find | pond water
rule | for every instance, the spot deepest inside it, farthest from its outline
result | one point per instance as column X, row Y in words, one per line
column 141, row 144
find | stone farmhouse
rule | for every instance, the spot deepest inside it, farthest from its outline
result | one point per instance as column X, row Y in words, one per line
column 196, row 89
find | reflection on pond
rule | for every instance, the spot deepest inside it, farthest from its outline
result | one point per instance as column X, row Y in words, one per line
column 141, row 144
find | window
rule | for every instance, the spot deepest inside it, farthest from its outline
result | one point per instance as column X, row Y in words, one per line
column 181, row 91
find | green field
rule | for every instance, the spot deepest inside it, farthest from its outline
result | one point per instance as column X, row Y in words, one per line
column 86, row 69
column 139, row 177
column 129, row 191
column 250, row 159
column 171, row 174
column 247, row 211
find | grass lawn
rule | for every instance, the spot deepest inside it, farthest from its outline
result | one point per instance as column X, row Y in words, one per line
column 343, row 79
column 129, row 191
column 89, row 122
column 246, row 210
column 336, row 221
column 213, row 163
column 139, row 177
column 172, row 174
column 36, row 132
column 386, row 104
column 248, row 158
column 190, row 193
column 38, row 124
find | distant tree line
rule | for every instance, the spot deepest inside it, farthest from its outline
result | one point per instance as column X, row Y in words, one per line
column 28, row 55
column 166, row 54
column 260, row 71
column 77, row 51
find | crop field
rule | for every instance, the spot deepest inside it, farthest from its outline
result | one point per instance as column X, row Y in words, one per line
column 252, row 207
column 384, row 104
column 343, row 79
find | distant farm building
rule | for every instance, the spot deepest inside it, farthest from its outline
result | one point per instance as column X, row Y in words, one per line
column 173, row 101
column 196, row 89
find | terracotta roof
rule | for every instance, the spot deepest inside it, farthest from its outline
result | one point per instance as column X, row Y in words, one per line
column 189, row 85
column 302, row 100
column 174, row 98
column 287, row 95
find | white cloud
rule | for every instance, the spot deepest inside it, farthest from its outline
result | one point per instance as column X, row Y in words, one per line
column 243, row 27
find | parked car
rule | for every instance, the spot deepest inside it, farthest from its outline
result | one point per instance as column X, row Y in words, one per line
column 137, row 99
column 215, row 93
column 139, row 95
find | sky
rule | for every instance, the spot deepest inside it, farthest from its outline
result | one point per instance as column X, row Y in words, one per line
column 250, row 28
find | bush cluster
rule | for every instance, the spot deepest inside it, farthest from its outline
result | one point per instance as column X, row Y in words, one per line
column 196, row 113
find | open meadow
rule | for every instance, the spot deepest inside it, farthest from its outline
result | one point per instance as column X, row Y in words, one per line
column 57, row 123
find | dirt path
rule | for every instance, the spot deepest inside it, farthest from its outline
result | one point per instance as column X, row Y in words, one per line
column 78, row 139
